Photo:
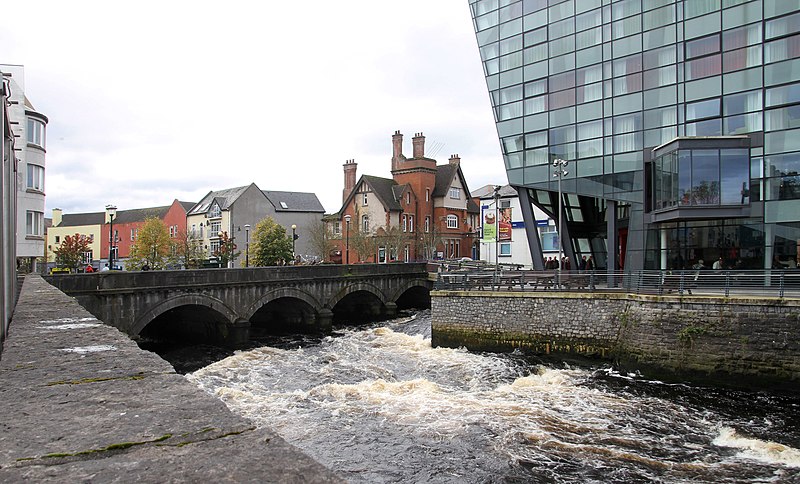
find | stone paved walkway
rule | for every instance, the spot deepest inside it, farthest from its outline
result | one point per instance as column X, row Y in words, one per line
column 80, row 402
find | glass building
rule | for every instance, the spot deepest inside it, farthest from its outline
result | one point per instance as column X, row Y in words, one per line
column 679, row 120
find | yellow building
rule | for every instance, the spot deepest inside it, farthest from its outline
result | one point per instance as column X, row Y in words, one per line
column 86, row 224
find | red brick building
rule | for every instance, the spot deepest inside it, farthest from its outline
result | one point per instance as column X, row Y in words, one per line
column 424, row 211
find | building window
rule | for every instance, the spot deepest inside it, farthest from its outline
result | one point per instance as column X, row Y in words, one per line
column 194, row 230
column 365, row 223
column 36, row 132
column 36, row 177
column 452, row 222
column 34, row 223
column 337, row 228
column 87, row 257
column 455, row 193
column 58, row 239
column 505, row 249
column 408, row 198
column 427, row 194
column 405, row 223
column 215, row 211
column 365, row 200
column 215, row 228
column 133, row 235
column 410, row 223
column 427, row 224
column 213, row 247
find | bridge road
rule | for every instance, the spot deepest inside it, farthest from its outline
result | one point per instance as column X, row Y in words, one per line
column 80, row 402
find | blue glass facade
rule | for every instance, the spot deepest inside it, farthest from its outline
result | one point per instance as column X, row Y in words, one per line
column 680, row 120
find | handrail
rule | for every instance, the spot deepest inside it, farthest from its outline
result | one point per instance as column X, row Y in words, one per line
column 724, row 283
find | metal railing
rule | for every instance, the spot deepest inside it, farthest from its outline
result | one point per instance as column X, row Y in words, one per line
column 725, row 283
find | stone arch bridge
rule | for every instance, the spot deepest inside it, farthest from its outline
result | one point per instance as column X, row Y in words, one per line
column 228, row 303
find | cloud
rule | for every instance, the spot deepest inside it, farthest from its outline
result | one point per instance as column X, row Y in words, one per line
column 154, row 101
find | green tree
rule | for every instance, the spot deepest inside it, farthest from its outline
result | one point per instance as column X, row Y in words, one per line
column 153, row 246
column 269, row 244
column 226, row 251
column 70, row 252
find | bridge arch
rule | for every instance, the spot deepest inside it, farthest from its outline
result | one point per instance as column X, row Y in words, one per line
column 283, row 292
column 182, row 300
column 412, row 293
column 353, row 288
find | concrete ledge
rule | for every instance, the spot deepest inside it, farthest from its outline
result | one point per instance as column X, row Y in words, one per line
column 81, row 402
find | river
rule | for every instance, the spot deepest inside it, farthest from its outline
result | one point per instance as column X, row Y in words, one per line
column 377, row 404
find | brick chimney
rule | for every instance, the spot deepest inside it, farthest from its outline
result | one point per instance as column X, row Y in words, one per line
column 349, row 178
column 455, row 159
column 57, row 217
column 419, row 145
column 397, row 149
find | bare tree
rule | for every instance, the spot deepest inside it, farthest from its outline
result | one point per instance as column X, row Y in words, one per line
column 321, row 239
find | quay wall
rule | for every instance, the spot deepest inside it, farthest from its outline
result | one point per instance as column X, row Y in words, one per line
column 740, row 341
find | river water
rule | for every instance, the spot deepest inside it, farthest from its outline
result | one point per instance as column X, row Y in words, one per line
column 377, row 404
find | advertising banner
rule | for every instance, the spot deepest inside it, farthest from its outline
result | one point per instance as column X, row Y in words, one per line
column 489, row 225
column 505, row 224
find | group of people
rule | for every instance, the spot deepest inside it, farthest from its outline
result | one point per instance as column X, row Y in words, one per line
column 584, row 263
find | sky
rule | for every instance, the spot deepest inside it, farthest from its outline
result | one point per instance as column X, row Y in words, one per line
column 152, row 101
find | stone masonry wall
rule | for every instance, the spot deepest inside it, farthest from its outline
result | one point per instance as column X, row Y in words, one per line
column 742, row 340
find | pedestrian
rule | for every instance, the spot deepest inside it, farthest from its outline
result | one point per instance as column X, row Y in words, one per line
column 590, row 264
column 89, row 269
column 582, row 264
column 105, row 268
column 717, row 264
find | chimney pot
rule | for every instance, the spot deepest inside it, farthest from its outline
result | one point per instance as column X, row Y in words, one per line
column 419, row 145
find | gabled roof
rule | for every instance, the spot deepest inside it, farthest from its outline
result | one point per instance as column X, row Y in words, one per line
column 384, row 190
column 224, row 198
column 187, row 205
column 140, row 214
column 487, row 192
column 444, row 178
column 80, row 219
column 294, row 201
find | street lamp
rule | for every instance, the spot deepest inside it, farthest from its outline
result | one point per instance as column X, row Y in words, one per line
column 111, row 210
column 496, row 229
column 294, row 237
column 247, row 245
column 560, row 173
column 347, row 239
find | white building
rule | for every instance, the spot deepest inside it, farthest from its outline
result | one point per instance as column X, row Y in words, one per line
column 513, row 246
column 29, row 127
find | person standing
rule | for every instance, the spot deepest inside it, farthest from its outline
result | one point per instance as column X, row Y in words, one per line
column 717, row 265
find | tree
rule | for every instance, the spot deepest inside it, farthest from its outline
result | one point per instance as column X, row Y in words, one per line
column 226, row 251
column 429, row 241
column 320, row 239
column 189, row 249
column 153, row 246
column 395, row 241
column 270, row 244
column 70, row 252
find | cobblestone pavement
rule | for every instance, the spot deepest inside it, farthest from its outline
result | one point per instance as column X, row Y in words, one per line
column 80, row 402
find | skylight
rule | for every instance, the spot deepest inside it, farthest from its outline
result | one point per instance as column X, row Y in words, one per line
column 283, row 205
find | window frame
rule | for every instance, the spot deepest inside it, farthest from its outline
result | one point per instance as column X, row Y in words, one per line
column 452, row 221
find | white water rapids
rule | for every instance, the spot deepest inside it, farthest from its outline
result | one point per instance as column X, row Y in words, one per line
column 380, row 405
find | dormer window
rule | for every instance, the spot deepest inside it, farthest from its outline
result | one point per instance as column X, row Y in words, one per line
column 214, row 211
column 455, row 193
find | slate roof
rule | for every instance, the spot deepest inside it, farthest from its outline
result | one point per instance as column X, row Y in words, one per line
column 444, row 178
column 225, row 198
column 384, row 190
column 486, row 192
column 295, row 201
column 79, row 219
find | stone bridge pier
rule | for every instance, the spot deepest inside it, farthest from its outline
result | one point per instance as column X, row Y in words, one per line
column 229, row 306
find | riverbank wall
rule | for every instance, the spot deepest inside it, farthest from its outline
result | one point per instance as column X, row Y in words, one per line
column 82, row 403
column 740, row 341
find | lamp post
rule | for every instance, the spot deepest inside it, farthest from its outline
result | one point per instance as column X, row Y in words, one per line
column 294, row 238
column 247, row 245
column 560, row 173
column 347, row 239
column 111, row 210
column 496, row 229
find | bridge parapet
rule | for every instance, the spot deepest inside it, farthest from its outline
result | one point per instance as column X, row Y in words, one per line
column 130, row 300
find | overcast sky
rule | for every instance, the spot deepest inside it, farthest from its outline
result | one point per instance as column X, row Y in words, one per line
column 151, row 101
